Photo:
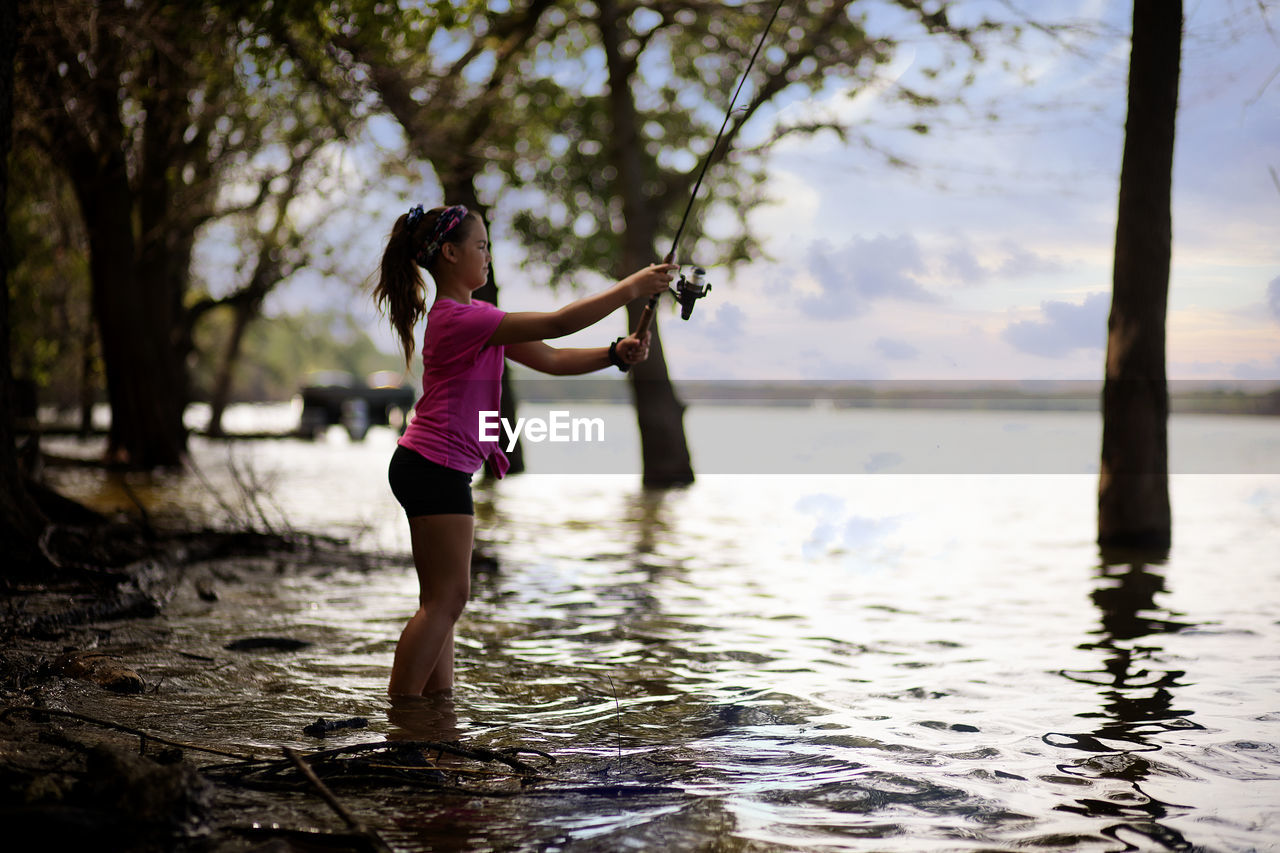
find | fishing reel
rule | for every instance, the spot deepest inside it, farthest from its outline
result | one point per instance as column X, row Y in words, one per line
column 689, row 290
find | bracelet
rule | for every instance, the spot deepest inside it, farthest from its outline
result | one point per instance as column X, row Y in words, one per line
column 615, row 359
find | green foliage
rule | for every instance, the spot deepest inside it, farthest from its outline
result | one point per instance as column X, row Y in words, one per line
column 215, row 121
column 679, row 64
column 278, row 352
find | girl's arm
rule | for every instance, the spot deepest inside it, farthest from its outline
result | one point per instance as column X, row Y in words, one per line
column 523, row 326
column 558, row 362
column 573, row 362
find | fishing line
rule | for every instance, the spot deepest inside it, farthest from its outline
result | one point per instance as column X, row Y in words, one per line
column 723, row 125
column 688, row 292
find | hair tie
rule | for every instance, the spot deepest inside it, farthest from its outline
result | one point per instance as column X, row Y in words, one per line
column 448, row 220
column 415, row 216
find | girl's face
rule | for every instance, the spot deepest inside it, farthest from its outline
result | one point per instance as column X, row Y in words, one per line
column 471, row 256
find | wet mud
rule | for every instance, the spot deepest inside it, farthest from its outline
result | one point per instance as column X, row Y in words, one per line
column 84, row 627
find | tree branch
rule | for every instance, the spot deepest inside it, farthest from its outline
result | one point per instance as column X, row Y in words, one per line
column 521, row 30
column 773, row 83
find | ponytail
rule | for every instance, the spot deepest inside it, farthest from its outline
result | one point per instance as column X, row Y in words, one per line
column 414, row 243
column 400, row 288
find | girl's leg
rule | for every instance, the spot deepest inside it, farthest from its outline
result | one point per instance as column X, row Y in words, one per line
column 431, row 717
column 442, row 555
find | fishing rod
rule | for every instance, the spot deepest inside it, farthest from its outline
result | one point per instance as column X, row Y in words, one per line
column 688, row 291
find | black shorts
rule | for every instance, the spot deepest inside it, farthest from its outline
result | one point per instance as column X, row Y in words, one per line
column 425, row 488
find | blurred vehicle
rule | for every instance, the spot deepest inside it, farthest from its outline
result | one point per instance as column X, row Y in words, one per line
column 333, row 398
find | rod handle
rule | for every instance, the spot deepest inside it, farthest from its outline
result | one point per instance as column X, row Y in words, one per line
column 646, row 316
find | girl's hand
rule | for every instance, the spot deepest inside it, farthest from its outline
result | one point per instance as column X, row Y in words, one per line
column 650, row 281
column 633, row 350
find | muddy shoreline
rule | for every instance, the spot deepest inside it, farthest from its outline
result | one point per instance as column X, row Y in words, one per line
column 90, row 758
column 89, row 628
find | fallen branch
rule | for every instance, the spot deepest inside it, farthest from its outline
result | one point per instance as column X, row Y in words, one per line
column 334, row 803
column 106, row 724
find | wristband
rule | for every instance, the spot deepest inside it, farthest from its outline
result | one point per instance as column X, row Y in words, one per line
column 615, row 359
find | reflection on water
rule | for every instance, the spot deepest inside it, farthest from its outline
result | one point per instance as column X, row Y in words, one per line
column 1138, row 704
column 433, row 718
column 864, row 662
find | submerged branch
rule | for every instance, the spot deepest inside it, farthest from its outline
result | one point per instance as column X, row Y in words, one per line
column 334, row 803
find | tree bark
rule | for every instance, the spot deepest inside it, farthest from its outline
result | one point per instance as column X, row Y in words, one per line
column 1133, row 486
column 146, row 409
column 139, row 246
column 20, row 521
column 664, row 451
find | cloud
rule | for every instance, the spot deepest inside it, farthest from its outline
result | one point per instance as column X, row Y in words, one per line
column 725, row 329
column 1255, row 369
column 961, row 264
column 1024, row 262
column 896, row 350
column 1273, row 297
column 1018, row 262
column 1066, row 327
column 851, row 277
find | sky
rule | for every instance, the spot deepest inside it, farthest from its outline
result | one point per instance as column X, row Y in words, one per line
column 989, row 256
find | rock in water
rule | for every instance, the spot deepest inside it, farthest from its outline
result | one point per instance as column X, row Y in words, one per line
column 320, row 727
column 101, row 669
column 274, row 644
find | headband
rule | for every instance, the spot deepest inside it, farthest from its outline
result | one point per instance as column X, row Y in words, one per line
column 446, row 222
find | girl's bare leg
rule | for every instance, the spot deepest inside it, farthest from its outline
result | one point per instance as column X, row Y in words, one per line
column 442, row 555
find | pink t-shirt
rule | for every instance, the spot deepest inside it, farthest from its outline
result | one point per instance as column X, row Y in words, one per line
column 461, row 377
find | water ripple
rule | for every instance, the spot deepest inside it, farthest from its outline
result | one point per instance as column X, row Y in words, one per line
column 961, row 674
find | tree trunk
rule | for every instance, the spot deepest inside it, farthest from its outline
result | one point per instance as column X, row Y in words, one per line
column 664, row 451
column 138, row 245
column 20, row 521
column 1133, row 486
column 146, row 419
column 88, row 387
column 246, row 306
column 221, row 395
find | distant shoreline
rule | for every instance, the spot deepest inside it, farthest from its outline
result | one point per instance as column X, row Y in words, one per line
column 1244, row 398
column 1259, row 397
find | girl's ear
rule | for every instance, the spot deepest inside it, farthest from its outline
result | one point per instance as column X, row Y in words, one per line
column 449, row 252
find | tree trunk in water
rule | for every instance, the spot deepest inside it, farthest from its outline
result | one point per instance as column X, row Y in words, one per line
column 20, row 521
column 664, row 452
column 221, row 394
column 246, row 306
column 87, row 385
column 1133, row 486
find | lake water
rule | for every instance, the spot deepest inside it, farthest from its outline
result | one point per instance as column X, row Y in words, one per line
column 839, row 638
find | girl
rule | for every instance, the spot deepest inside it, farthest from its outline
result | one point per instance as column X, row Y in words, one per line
column 462, row 353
